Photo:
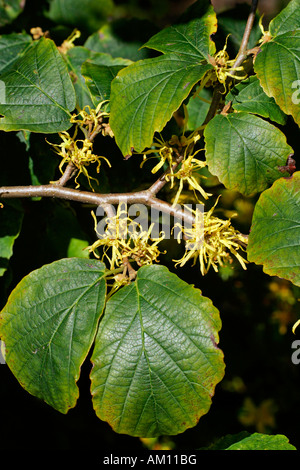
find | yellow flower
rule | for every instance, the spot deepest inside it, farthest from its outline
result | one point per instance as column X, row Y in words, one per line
column 113, row 240
column 296, row 324
column 79, row 152
column 69, row 43
column 223, row 68
column 91, row 121
column 179, row 148
column 142, row 248
column 266, row 34
column 165, row 151
column 125, row 239
column 185, row 174
column 212, row 241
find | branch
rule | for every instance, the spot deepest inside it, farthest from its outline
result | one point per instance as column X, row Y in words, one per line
column 85, row 197
column 215, row 103
column 242, row 54
column 147, row 197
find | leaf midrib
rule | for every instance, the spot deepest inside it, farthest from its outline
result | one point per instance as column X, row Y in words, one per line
column 55, row 103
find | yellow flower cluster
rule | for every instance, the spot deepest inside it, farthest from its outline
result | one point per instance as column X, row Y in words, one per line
column 92, row 121
column 79, row 152
column 179, row 149
column 185, row 174
column 125, row 239
column 223, row 68
column 212, row 241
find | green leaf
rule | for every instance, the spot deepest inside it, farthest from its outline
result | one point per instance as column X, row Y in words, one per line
column 38, row 92
column 278, row 64
column 155, row 361
column 11, row 218
column 244, row 151
column 11, row 47
column 274, row 239
column 250, row 97
column 48, row 326
column 256, row 441
column 190, row 38
column 77, row 249
column 287, row 20
column 145, row 95
column 197, row 108
column 259, row 441
column 89, row 15
column 92, row 73
column 99, row 71
column 9, row 10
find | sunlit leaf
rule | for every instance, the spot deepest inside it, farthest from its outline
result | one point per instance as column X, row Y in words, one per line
column 259, row 441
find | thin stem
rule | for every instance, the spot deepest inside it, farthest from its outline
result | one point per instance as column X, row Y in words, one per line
column 129, row 269
column 92, row 135
column 215, row 103
column 109, row 210
column 242, row 54
column 162, row 180
column 67, row 175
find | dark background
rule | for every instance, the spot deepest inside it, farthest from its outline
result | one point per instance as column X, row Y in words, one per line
column 260, row 391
